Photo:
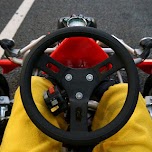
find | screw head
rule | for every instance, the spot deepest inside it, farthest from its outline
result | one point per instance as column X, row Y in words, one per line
column 68, row 77
column 89, row 77
column 79, row 95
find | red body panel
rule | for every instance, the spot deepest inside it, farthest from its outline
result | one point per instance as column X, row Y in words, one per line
column 146, row 66
column 78, row 52
column 7, row 65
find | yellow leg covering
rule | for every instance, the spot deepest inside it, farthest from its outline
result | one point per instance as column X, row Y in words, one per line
column 21, row 135
column 136, row 135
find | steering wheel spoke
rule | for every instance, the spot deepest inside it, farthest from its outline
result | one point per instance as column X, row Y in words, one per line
column 50, row 66
column 113, row 62
column 78, row 115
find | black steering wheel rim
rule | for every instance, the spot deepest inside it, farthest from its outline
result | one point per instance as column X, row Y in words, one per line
column 78, row 138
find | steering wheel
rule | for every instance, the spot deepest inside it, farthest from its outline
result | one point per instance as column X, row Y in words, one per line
column 79, row 87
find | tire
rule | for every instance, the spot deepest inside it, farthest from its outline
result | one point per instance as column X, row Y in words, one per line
column 4, row 88
column 148, row 87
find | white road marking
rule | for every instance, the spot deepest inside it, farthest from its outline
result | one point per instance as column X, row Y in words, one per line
column 12, row 26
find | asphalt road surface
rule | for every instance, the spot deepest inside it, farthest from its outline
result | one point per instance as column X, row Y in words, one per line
column 129, row 20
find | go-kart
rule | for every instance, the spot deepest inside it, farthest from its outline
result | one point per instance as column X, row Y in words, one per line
column 78, row 59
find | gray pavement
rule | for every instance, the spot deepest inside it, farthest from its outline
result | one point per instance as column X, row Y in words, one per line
column 7, row 9
column 129, row 20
